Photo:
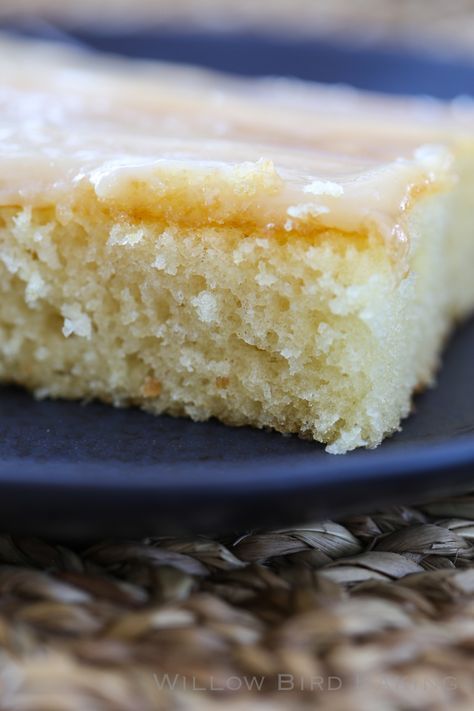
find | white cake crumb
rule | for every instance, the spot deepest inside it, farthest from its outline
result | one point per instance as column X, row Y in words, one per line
column 123, row 235
column 205, row 304
column 76, row 321
column 264, row 278
column 35, row 289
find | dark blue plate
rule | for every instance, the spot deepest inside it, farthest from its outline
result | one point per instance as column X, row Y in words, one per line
column 78, row 471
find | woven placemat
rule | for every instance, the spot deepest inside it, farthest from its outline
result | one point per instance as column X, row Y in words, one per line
column 370, row 612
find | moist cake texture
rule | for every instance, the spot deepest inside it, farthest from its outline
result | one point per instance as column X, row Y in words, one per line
column 268, row 253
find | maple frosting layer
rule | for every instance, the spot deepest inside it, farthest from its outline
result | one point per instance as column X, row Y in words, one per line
column 198, row 147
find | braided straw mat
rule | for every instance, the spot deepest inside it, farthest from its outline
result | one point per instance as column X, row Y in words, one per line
column 370, row 612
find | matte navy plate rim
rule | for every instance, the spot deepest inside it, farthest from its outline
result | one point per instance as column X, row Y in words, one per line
column 246, row 477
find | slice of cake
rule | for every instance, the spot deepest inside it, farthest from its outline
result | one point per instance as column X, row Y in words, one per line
column 269, row 254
